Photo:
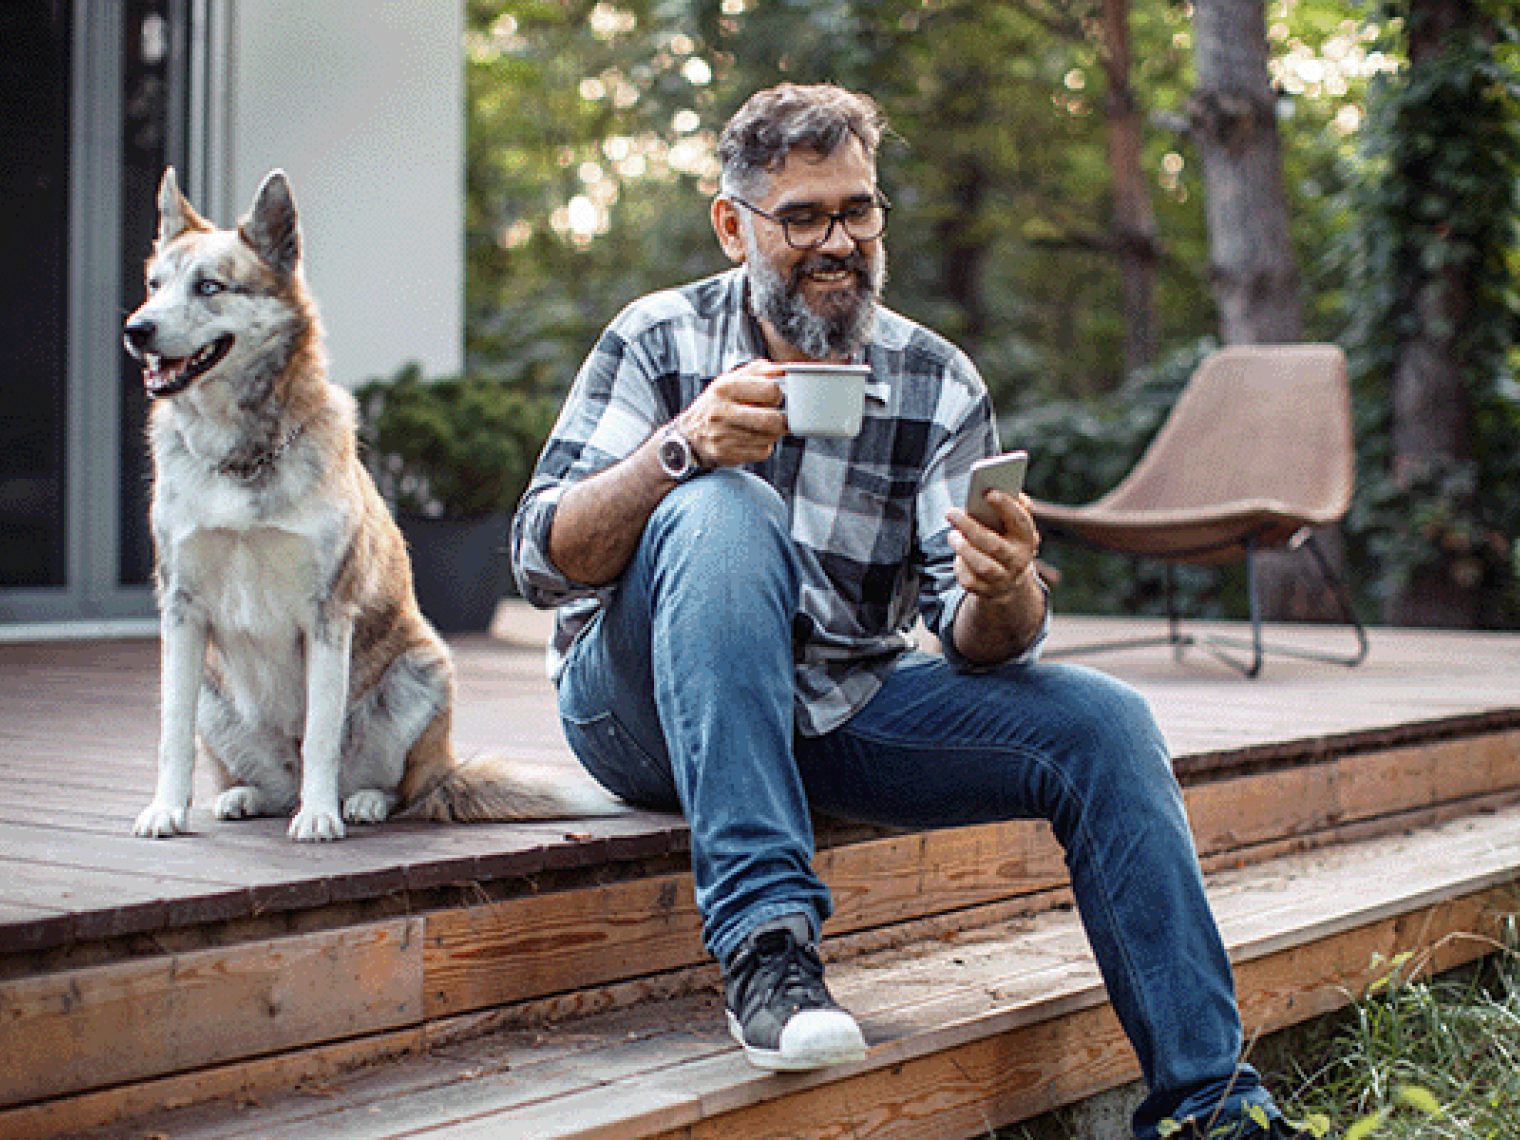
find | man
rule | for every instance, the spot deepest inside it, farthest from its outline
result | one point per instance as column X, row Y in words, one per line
column 735, row 605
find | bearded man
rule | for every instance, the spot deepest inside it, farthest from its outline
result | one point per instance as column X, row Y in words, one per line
column 736, row 606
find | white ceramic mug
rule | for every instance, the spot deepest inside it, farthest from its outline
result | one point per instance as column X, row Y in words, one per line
column 824, row 399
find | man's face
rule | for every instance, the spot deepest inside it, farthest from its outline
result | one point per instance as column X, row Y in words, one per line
column 820, row 301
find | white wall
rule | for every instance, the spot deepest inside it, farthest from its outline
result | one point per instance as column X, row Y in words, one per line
column 362, row 104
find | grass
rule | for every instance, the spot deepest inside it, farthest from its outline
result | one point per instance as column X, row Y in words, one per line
column 1415, row 1058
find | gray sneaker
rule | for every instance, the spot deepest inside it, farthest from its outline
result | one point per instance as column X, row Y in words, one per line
column 778, row 1006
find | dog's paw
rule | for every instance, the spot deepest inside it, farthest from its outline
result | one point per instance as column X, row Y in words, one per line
column 158, row 821
column 241, row 802
column 368, row 806
column 316, row 825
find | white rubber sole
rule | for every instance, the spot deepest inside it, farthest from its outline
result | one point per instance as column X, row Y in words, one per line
column 812, row 1039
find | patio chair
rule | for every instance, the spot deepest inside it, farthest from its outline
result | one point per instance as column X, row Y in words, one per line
column 1256, row 453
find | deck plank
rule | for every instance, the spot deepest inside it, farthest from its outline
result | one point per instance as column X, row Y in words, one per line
column 78, row 736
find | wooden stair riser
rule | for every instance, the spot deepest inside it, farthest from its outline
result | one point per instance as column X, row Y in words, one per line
column 997, row 1080
column 100, row 1026
column 132, row 1021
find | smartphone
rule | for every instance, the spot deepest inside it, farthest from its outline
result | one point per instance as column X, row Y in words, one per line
column 1000, row 473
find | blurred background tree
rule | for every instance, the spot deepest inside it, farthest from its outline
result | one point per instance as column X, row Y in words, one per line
column 1050, row 210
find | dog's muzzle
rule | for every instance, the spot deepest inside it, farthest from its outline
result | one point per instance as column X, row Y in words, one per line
column 168, row 375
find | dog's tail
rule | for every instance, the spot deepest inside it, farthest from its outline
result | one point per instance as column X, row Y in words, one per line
column 500, row 789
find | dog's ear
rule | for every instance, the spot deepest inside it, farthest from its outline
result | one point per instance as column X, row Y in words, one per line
column 271, row 227
column 175, row 214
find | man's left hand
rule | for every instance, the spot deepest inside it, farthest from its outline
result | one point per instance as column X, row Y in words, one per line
column 992, row 562
column 1004, row 607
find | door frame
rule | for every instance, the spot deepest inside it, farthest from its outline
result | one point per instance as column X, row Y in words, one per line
column 93, row 601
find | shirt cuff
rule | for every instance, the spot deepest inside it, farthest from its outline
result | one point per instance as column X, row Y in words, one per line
column 962, row 664
column 541, row 582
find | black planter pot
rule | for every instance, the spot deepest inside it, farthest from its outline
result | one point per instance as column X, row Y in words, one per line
column 459, row 567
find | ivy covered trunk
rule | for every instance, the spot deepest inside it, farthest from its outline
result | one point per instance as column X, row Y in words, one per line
column 1433, row 431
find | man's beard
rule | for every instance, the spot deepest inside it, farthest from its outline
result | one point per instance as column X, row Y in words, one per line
column 848, row 317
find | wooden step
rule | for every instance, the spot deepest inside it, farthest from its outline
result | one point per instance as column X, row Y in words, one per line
column 141, row 1024
column 968, row 1031
column 137, row 975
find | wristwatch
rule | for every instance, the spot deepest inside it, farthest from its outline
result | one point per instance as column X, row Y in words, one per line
column 678, row 458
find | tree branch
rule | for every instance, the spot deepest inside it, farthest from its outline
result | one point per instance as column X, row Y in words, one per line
column 1057, row 19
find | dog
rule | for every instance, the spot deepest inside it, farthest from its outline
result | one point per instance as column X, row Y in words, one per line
column 295, row 659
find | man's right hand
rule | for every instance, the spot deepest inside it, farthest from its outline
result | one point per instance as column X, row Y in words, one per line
column 738, row 418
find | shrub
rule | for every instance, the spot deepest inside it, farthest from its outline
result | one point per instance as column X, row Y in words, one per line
column 458, row 447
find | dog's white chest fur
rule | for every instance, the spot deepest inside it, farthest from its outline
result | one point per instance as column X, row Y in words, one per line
column 258, row 591
column 261, row 582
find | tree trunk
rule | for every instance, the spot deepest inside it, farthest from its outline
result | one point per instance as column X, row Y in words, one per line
column 1432, row 415
column 963, row 253
column 1233, row 118
column 1136, row 244
column 1252, row 265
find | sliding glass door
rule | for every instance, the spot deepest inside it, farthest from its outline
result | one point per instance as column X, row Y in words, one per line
column 94, row 102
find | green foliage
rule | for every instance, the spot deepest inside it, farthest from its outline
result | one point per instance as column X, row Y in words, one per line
column 571, row 104
column 451, row 448
column 1420, row 1058
column 1437, row 199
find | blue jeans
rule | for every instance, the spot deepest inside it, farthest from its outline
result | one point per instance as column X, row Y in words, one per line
column 680, row 695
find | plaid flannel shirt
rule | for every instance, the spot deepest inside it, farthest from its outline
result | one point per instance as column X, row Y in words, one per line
column 867, row 514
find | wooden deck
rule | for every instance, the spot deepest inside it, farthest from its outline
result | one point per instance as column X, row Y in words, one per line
column 122, row 961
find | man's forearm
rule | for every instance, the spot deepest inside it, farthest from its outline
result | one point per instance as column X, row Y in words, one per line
column 737, row 419
column 988, row 631
column 599, row 521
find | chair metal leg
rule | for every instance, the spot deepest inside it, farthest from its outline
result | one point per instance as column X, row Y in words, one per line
column 1259, row 647
column 1179, row 640
column 1212, row 642
column 1218, row 644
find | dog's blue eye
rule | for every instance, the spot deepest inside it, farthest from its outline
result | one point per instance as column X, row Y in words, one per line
column 208, row 288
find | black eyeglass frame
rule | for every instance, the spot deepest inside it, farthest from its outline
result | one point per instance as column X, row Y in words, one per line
column 836, row 217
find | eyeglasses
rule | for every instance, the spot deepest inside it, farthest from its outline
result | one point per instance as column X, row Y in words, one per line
column 809, row 228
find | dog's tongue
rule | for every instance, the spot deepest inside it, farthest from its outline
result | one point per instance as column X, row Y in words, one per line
column 159, row 371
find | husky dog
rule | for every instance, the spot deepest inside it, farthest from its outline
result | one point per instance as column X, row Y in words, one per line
column 294, row 654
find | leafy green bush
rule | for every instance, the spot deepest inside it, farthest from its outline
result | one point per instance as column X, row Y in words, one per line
column 458, row 447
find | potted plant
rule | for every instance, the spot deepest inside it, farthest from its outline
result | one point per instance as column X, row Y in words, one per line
column 452, row 457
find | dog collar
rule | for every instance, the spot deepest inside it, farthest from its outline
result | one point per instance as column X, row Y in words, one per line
column 250, row 469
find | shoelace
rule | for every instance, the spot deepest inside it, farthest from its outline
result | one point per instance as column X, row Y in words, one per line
column 793, row 981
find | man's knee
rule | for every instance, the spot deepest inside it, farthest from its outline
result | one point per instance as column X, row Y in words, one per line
column 724, row 497
column 721, row 535
column 1112, row 725
column 722, row 512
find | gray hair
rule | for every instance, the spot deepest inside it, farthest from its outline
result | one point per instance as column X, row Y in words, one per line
column 774, row 122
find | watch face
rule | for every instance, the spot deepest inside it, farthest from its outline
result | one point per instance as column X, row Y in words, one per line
column 676, row 457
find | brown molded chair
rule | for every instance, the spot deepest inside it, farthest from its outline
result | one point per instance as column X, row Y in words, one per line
column 1257, row 452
